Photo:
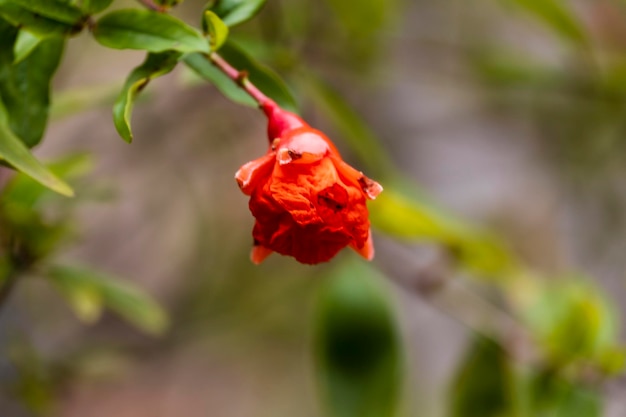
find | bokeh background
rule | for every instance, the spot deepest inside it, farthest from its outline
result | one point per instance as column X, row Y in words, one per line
column 503, row 114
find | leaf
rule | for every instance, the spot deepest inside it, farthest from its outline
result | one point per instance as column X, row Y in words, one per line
column 263, row 77
column 37, row 24
column 235, row 12
column 56, row 10
column 571, row 320
column 13, row 151
column 25, row 86
column 154, row 66
column 22, row 190
column 406, row 217
column 358, row 350
column 148, row 30
column 557, row 16
column 199, row 64
column 554, row 396
column 121, row 297
column 481, row 386
column 25, row 44
column 95, row 6
column 358, row 136
column 215, row 28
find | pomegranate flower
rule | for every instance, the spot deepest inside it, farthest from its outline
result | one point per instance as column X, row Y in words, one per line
column 308, row 203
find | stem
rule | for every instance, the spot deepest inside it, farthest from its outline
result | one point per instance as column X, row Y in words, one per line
column 150, row 5
column 240, row 78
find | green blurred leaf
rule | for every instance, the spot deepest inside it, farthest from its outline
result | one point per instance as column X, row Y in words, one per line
column 396, row 214
column 95, row 6
column 556, row 15
column 148, row 30
column 235, row 12
column 358, row 136
column 25, row 44
column 264, row 78
column 357, row 345
column 571, row 320
column 366, row 18
column 215, row 28
column 25, row 86
column 200, row 65
column 14, row 152
column 30, row 21
column 154, row 66
column 83, row 286
column 482, row 384
column 60, row 11
column 554, row 396
column 24, row 191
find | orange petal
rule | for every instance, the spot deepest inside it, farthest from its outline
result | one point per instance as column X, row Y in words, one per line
column 259, row 253
column 251, row 173
column 367, row 251
column 370, row 187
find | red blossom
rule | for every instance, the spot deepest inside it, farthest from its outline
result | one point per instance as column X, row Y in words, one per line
column 308, row 203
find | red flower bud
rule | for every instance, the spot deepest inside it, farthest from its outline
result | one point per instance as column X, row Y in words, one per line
column 308, row 203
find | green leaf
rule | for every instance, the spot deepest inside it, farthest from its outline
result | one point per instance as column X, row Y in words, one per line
column 554, row 396
column 358, row 136
column 557, row 16
column 25, row 86
column 13, row 151
column 154, row 66
column 234, row 12
column 410, row 218
column 358, row 350
column 148, row 30
column 22, row 190
column 263, row 77
column 83, row 286
column 32, row 21
column 25, row 44
column 95, row 6
column 199, row 64
column 215, row 28
column 571, row 320
column 482, row 384
column 59, row 11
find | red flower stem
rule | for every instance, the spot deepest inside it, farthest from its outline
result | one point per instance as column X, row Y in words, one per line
column 240, row 78
column 150, row 5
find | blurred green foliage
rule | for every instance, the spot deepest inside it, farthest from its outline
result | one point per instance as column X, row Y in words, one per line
column 358, row 352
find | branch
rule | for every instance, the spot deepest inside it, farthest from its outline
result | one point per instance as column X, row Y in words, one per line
column 239, row 77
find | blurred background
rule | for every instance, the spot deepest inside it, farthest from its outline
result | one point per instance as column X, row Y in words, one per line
column 505, row 116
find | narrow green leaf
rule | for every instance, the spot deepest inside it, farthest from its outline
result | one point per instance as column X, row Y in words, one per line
column 25, row 44
column 481, row 387
column 263, row 77
column 25, row 86
column 215, row 28
column 362, row 141
column 95, row 6
column 154, row 66
column 56, row 10
column 199, row 64
column 24, row 18
column 358, row 350
column 557, row 15
column 14, row 152
column 148, row 30
column 121, row 297
column 235, row 12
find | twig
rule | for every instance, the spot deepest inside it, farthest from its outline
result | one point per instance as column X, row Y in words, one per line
column 239, row 77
